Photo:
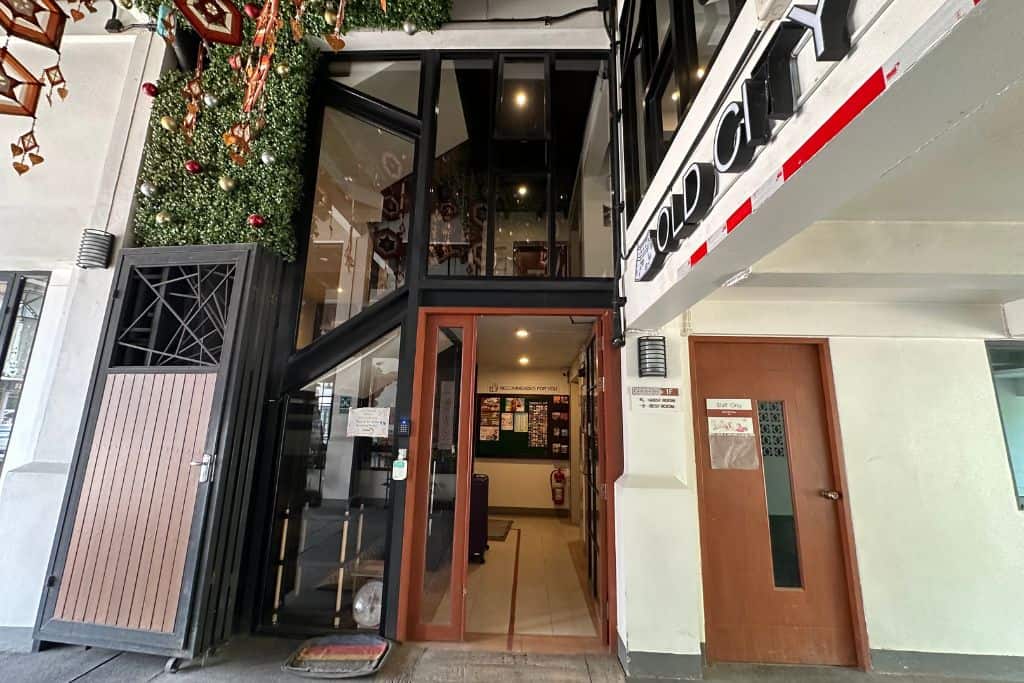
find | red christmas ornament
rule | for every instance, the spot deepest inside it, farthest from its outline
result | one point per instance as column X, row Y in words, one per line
column 252, row 10
column 193, row 166
column 150, row 89
column 256, row 221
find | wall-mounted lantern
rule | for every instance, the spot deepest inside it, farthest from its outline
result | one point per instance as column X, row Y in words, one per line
column 653, row 361
column 95, row 248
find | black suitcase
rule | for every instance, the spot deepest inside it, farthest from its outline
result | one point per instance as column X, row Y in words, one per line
column 478, row 517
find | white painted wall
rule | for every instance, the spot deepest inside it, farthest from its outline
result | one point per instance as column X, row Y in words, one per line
column 92, row 143
column 939, row 539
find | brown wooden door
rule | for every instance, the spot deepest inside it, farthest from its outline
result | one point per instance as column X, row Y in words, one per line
column 441, row 462
column 775, row 582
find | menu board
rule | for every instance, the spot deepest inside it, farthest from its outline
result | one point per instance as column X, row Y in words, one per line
column 523, row 426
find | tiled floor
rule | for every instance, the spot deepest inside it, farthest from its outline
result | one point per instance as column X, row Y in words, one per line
column 550, row 594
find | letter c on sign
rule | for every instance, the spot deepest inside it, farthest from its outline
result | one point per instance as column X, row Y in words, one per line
column 733, row 153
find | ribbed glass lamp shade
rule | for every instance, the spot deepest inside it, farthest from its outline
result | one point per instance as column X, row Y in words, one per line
column 652, row 357
column 95, row 248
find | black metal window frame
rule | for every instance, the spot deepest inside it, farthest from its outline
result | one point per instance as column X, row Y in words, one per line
column 665, row 64
column 292, row 369
column 1015, row 476
column 9, row 303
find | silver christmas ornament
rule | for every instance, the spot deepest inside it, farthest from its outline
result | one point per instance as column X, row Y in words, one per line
column 409, row 27
column 210, row 100
column 267, row 158
column 147, row 189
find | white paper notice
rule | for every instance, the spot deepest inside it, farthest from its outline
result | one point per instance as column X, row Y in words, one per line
column 657, row 399
column 729, row 404
column 368, row 422
column 733, row 426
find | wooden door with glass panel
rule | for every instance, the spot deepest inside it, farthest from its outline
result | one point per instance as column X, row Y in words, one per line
column 443, row 466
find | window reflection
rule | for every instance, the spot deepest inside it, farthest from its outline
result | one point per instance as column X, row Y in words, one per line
column 360, row 228
column 394, row 82
column 333, row 495
column 14, row 364
column 521, row 226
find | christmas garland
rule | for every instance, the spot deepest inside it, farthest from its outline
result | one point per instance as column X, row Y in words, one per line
column 200, row 185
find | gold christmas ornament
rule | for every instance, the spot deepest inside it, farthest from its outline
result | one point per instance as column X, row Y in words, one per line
column 168, row 123
column 163, row 218
column 330, row 16
column 283, row 69
column 226, row 183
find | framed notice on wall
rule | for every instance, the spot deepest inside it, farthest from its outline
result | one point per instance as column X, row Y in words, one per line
column 533, row 427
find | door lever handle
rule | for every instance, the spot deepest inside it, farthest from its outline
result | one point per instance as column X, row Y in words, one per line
column 831, row 495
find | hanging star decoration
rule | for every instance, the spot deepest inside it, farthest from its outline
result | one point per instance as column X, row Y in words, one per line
column 41, row 22
column 216, row 21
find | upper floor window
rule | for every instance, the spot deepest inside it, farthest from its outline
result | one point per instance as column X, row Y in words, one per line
column 21, row 305
column 669, row 47
column 1006, row 359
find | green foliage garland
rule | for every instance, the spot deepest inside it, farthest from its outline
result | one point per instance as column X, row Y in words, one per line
column 200, row 211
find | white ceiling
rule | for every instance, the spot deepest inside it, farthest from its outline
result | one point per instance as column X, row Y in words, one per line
column 553, row 343
column 971, row 172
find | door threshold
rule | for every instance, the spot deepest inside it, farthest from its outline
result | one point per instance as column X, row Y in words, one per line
column 533, row 644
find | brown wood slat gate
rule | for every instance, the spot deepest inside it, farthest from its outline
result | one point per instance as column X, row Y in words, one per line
column 147, row 553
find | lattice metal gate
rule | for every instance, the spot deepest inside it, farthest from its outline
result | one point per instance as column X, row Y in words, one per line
column 150, row 539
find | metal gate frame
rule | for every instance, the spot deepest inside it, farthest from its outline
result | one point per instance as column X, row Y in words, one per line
column 206, row 609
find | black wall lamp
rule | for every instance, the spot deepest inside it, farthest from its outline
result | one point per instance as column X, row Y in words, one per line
column 653, row 360
column 94, row 249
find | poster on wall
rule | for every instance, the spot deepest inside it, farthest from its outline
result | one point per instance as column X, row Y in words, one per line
column 732, row 443
column 515, row 405
column 538, row 424
column 522, row 422
column 507, row 421
column 368, row 422
column 490, row 412
column 488, row 433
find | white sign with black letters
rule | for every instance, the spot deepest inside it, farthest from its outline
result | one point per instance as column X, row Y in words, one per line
column 656, row 399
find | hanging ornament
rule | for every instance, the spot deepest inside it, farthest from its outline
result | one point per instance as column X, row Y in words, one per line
column 55, row 79
column 210, row 100
column 76, row 13
column 216, row 21
column 147, row 189
column 330, row 16
column 237, row 139
column 235, row 62
column 263, row 46
column 37, row 21
column 334, row 38
column 255, row 220
column 409, row 27
column 193, row 93
column 162, row 218
column 193, row 166
column 283, row 69
column 268, row 158
column 300, row 11
column 226, row 183
column 150, row 89
column 166, row 24
column 252, row 10
column 19, row 89
column 384, row 6
column 26, row 148
column 168, row 123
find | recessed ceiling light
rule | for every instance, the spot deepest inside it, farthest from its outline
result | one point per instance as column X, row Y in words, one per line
column 700, row 73
column 522, row 334
column 522, row 190
column 520, row 99
column 324, row 259
column 675, row 96
column 524, row 360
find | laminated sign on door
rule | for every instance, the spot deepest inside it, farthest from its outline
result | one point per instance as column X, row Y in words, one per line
column 731, row 438
column 368, row 422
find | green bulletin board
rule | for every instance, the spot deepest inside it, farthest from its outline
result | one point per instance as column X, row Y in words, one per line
column 511, row 426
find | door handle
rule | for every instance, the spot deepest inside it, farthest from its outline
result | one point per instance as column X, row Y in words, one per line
column 831, row 495
column 205, row 465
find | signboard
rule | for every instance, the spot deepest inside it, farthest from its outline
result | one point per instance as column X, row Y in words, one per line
column 729, row 404
column 657, row 399
column 368, row 422
column 768, row 96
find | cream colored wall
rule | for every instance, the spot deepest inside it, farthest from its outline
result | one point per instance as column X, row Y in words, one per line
column 939, row 540
column 521, row 483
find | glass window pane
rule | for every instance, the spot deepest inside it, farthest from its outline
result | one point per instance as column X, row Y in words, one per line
column 1007, row 363
column 712, row 20
column 771, row 423
column 663, row 17
column 669, row 103
column 640, row 118
column 458, row 218
column 333, row 496
column 394, row 82
column 523, row 102
column 435, row 603
column 520, row 226
column 361, row 214
column 14, row 365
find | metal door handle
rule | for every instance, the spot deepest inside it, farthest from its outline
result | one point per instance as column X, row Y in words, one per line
column 831, row 495
column 205, row 465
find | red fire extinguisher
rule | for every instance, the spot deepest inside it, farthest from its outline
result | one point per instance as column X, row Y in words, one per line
column 558, row 486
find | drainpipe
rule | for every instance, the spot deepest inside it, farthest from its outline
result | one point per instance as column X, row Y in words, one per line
column 615, row 117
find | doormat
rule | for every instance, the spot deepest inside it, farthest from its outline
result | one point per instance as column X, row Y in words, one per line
column 339, row 656
column 497, row 529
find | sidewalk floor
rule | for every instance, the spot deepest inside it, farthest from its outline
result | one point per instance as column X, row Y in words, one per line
column 249, row 660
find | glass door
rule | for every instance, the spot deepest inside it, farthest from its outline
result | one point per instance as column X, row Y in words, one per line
column 442, row 461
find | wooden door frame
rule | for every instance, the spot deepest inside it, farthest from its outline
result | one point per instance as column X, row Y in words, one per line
column 612, row 446
column 837, row 460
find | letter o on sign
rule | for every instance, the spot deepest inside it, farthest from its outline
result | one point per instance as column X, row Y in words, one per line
column 663, row 241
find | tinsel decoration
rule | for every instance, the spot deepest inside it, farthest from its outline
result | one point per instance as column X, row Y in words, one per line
column 263, row 46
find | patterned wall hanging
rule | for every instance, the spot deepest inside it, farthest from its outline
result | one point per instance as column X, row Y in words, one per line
column 216, row 21
column 19, row 89
column 37, row 21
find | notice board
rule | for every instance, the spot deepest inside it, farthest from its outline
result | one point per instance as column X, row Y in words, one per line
column 531, row 427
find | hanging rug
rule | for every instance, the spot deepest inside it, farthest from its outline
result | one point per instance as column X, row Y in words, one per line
column 339, row 656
